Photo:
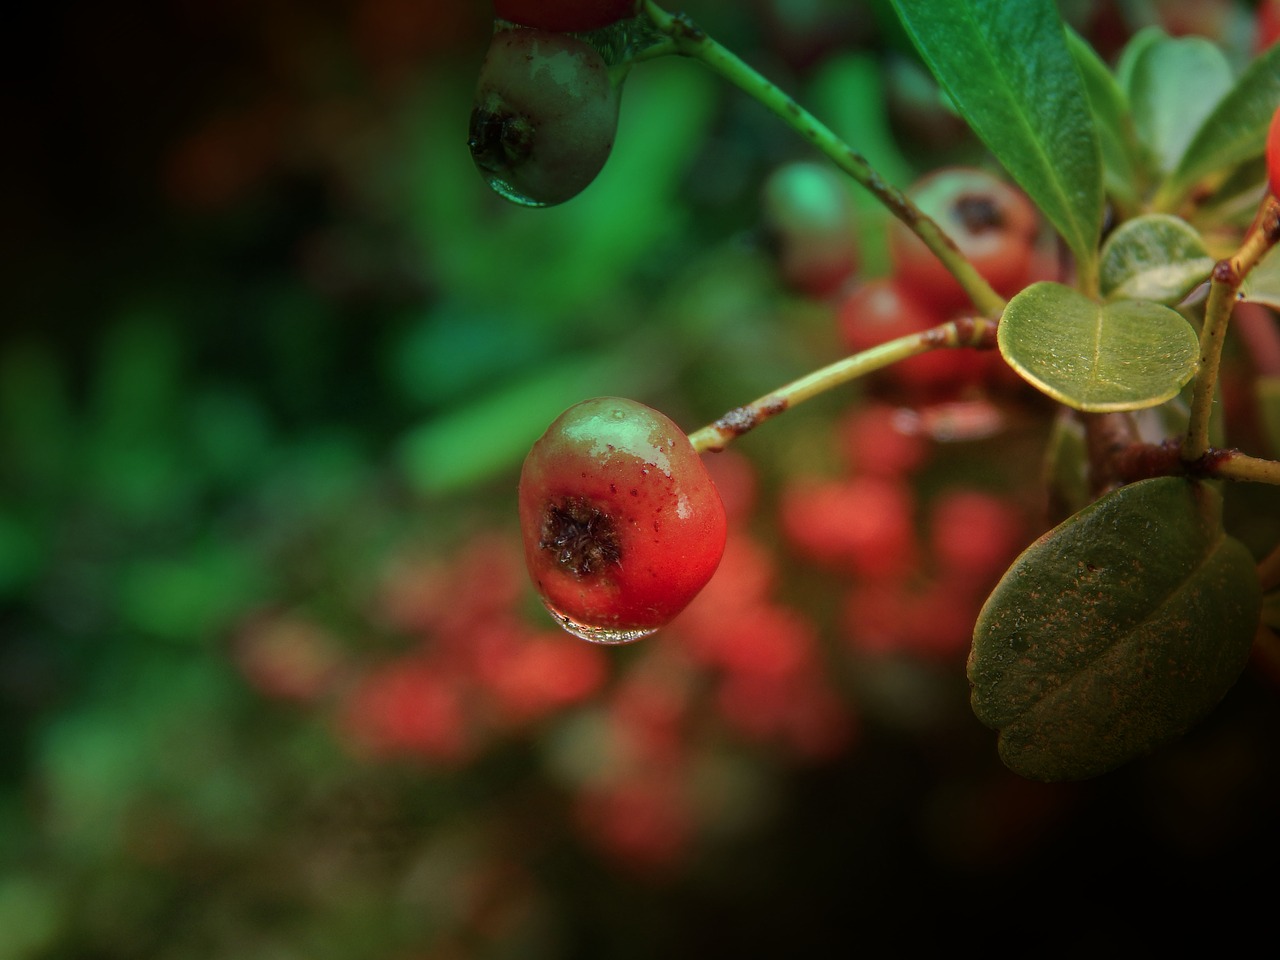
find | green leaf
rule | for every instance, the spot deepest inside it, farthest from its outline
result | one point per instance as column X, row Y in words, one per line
column 1157, row 257
column 1262, row 285
column 1115, row 632
column 1111, row 116
column 1097, row 357
column 1236, row 130
column 1174, row 85
column 1006, row 66
column 1066, row 466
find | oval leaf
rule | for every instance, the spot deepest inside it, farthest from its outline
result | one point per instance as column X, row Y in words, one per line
column 1174, row 85
column 1115, row 632
column 1097, row 357
column 1236, row 131
column 1157, row 257
column 1006, row 66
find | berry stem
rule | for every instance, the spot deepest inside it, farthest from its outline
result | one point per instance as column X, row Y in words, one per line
column 690, row 41
column 1228, row 275
column 976, row 332
column 1234, row 465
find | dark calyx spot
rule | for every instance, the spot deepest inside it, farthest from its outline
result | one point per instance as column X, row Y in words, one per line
column 581, row 536
column 978, row 213
column 499, row 141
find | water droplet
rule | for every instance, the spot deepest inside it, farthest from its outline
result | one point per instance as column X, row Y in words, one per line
column 505, row 190
column 605, row 635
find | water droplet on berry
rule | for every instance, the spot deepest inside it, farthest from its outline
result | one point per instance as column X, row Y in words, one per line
column 605, row 635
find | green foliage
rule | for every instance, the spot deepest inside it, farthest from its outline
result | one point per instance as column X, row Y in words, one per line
column 1154, row 257
column 1007, row 68
column 1235, row 131
column 1115, row 632
column 1123, row 355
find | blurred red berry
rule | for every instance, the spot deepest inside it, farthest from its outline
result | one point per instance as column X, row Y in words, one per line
column 878, row 439
column 974, row 535
column 409, row 708
column 287, row 656
column 1267, row 25
column 886, row 308
column 991, row 222
column 864, row 525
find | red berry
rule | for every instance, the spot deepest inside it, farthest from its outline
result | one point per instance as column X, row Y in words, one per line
column 991, row 222
column 1273, row 154
column 887, row 308
column 864, row 525
column 1267, row 21
column 808, row 224
column 562, row 15
column 544, row 118
column 622, row 523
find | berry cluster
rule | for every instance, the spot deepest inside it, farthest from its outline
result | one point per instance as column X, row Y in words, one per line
column 914, row 570
column 998, row 230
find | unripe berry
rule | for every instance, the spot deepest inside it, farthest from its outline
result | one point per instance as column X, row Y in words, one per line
column 545, row 116
column 622, row 524
column 564, row 15
column 810, row 228
column 991, row 222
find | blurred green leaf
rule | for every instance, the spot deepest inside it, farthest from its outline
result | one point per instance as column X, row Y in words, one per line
column 1155, row 257
column 1235, row 131
column 848, row 93
column 1066, row 466
column 1006, row 65
column 1097, row 357
column 1262, row 285
column 192, row 598
column 22, row 551
column 495, row 430
column 1115, row 632
column 1116, row 134
column 1174, row 83
column 30, row 916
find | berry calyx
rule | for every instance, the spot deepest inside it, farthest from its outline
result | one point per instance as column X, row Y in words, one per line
column 565, row 15
column 622, row 524
column 991, row 222
column 544, row 117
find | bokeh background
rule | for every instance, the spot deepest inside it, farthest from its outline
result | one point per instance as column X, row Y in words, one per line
column 272, row 683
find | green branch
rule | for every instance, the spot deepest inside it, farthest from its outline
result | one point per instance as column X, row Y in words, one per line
column 962, row 332
column 691, row 42
column 1228, row 275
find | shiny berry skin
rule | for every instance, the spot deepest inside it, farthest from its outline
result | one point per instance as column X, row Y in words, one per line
column 544, row 118
column 622, row 524
column 1273, row 154
column 564, row 15
column 991, row 222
